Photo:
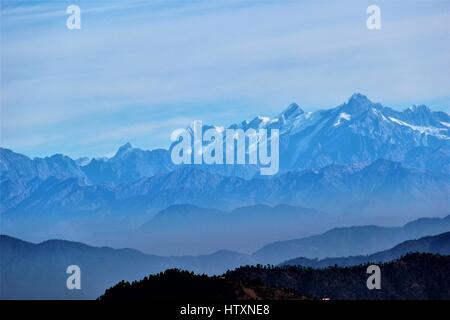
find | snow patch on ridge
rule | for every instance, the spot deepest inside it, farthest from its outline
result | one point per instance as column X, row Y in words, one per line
column 424, row 130
column 342, row 116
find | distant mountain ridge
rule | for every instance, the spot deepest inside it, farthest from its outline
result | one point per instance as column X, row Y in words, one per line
column 382, row 187
column 38, row 271
column 384, row 179
column 129, row 164
column 351, row 241
column 49, row 206
column 439, row 244
column 195, row 230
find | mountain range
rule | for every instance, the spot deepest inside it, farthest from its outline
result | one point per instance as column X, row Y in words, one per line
column 359, row 159
column 358, row 131
column 70, row 209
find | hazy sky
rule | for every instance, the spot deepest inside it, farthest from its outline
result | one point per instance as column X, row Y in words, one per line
column 139, row 69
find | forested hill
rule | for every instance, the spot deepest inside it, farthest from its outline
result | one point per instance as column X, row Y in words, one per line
column 414, row 276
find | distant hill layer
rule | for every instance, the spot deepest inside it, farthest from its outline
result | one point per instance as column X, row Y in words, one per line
column 439, row 244
column 350, row 241
column 38, row 271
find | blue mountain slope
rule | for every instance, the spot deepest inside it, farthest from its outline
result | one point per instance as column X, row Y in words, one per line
column 330, row 187
column 439, row 244
column 38, row 271
column 381, row 188
column 341, row 242
column 129, row 164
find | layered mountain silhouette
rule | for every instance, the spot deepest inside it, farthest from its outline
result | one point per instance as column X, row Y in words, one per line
column 38, row 271
column 183, row 229
column 439, row 244
column 381, row 188
column 345, row 184
column 350, row 241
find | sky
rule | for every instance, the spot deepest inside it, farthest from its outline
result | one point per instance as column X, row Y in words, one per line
column 137, row 70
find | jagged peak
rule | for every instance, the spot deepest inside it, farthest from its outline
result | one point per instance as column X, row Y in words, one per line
column 291, row 111
column 359, row 98
column 126, row 146
column 123, row 149
column 358, row 103
column 419, row 108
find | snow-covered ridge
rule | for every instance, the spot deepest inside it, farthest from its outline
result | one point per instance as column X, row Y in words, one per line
column 308, row 132
column 438, row 132
column 355, row 111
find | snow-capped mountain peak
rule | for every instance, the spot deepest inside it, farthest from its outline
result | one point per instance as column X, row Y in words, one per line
column 359, row 98
column 357, row 104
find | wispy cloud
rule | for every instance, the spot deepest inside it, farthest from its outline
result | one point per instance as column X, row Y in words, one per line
column 145, row 129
